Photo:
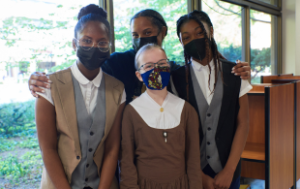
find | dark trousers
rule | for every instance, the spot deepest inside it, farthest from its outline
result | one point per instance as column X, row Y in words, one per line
column 208, row 171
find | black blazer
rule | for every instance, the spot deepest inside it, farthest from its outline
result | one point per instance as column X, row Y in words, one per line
column 229, row 111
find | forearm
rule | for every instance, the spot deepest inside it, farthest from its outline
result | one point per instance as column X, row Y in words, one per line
column 237, row 146
column 108, row 169
column 55, row 169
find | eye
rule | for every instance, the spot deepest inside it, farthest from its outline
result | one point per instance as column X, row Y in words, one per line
column 185, row 38
column 148, row 32
column 134, row 35
column 103, row 44
column 87, row 41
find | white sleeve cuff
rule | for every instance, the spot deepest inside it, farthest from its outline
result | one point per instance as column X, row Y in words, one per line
column 123, row 97
column 245, row 87
column 46, row 95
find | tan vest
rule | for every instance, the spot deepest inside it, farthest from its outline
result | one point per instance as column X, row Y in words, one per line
column 62, row 92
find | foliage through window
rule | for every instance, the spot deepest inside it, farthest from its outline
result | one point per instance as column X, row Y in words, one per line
column 34, row 36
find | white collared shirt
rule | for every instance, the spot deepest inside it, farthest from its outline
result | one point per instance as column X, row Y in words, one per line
column 166, row 116
column 88, row 88
column 202, row 75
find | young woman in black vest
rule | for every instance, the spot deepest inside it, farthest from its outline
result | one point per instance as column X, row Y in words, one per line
column 219, row 97
column 147, row 26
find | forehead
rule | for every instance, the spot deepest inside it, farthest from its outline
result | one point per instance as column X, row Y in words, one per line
column 152, row 55
column 94, row 29
column 191, row 25
column 141, row 23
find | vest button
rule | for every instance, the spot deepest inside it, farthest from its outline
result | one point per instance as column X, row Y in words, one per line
column 209, row 128
column 78, row 157
column 86, row 179
column 208, row 115
column 91, row 133
column 87, row 165
column 208, row 143
column 90, row 150
column 208, row 157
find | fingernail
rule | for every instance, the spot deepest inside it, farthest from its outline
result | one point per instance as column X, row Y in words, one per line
column 235, row 74
column 49, row 81
column 232, row 68
column 48, row 86
column 43, row 91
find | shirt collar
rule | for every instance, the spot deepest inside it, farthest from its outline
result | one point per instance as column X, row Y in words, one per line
column 82, row 79
column 197, row 66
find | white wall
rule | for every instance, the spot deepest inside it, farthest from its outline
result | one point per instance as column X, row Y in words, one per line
column 297, row 22
column 288, row 36
column 291, row 36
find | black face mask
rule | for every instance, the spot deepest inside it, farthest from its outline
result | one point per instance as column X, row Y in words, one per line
column 137, row 43
column 197, row 48
column 93, row 58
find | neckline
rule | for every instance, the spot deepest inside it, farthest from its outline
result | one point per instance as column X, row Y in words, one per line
column 147, row 126
column 156, row 104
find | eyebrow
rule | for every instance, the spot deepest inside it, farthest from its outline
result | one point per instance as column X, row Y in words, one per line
column 143, row 30
column 103, row 38
column 194, row 29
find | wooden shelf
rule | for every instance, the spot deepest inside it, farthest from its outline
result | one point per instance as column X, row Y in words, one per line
column 254, row 151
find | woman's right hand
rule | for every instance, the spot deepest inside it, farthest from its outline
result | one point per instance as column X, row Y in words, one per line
column 37, row 80
column 207, row 182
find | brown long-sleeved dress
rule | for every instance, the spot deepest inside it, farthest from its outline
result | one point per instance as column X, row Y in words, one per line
column 149, row 162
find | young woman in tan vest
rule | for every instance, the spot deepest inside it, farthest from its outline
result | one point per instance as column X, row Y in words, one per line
column 78, row 119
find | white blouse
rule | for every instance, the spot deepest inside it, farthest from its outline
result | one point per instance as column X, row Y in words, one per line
column 166, row 116
column 202, row 75
column 88, row 88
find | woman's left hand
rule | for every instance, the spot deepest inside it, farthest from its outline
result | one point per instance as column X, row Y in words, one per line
column 242, row 69
column 223, row 179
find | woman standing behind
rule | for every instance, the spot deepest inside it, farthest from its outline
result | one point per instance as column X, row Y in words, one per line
column 220, row 99
column 78, row 120
column 160, row 140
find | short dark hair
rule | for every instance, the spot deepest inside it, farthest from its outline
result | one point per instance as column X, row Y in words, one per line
column 91, row 12
column 154, row 16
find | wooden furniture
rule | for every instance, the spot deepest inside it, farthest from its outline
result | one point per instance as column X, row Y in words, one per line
column 268, row 78
column 269, row 151
column 297, row 133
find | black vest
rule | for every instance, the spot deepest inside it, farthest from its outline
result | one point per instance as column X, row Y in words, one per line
column 229, row 111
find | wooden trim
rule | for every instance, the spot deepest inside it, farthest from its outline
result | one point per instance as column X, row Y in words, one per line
column 297, row 120
column 267, row 138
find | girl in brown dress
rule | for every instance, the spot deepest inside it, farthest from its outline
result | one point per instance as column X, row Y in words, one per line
column 160, row 132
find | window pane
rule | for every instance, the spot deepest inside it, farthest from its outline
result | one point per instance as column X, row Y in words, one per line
column 227, row 22
column 171, row 10
column 261, row 44
column 34, row 35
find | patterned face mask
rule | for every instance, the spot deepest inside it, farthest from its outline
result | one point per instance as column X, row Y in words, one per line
column 157, row 78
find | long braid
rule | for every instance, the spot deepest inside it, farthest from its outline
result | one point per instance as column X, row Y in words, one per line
column 216, row 55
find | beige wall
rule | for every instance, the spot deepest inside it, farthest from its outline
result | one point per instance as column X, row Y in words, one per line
column 291, row 36
column 297, row 21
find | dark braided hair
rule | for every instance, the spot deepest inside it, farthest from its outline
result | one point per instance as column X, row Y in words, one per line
column 199, row 17
column 91, row 13
column 154, row 16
